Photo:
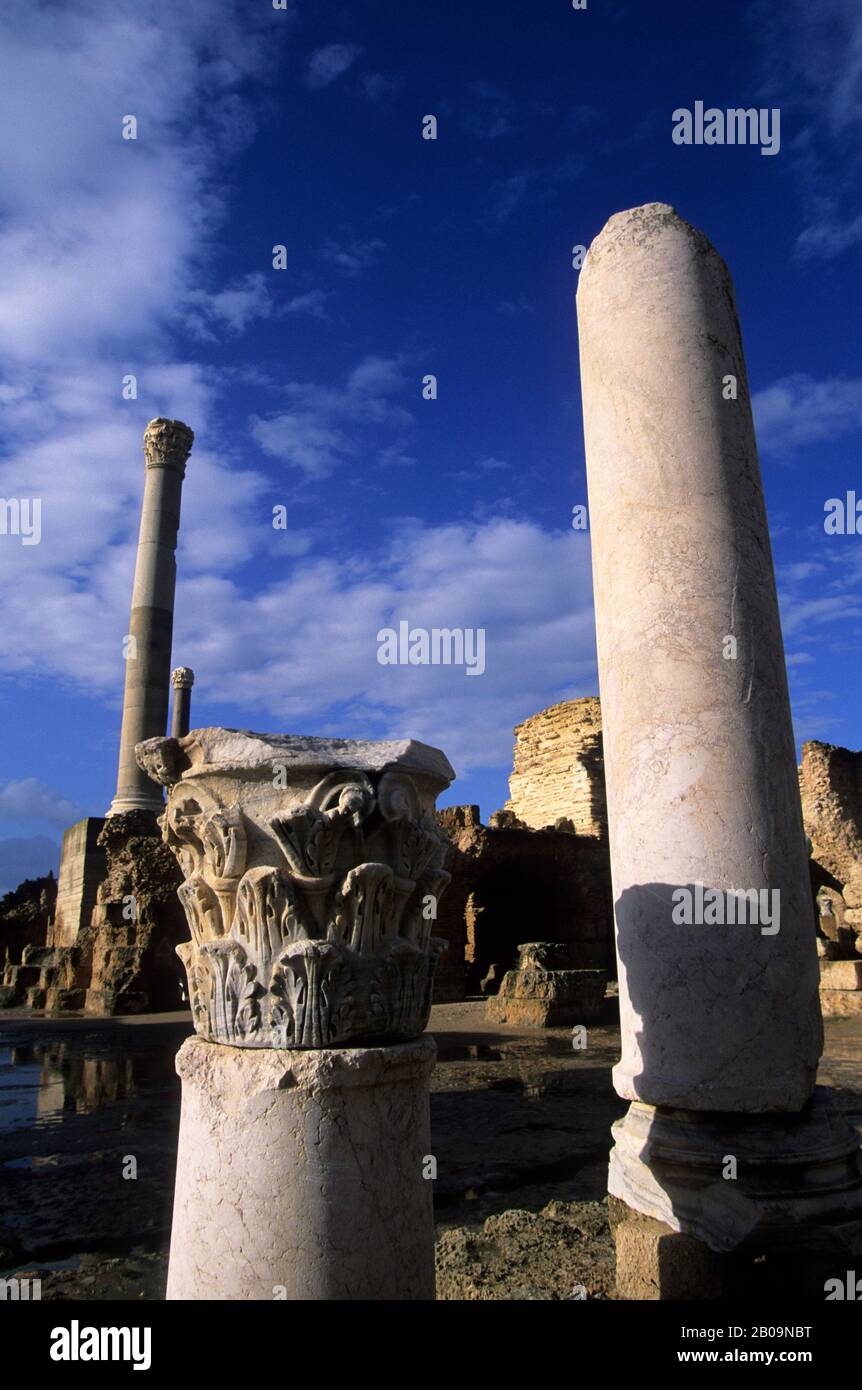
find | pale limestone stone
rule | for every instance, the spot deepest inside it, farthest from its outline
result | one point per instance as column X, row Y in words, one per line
column 840, row 1003
column 558, row 769
column 790, row 1169
column 841, row 974
column 167, row 444
column 300, row 1174
column 313, row 868
column 699, row 751
column 544, row 992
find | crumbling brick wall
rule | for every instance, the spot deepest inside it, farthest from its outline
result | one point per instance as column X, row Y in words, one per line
column 559, row 768
column 830, row 783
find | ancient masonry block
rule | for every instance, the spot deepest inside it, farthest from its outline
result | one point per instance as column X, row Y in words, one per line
column 830, row 781
column 545, row 992
column 82, row 868
column 559, row 768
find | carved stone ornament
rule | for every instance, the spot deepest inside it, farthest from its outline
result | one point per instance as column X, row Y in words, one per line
column 313, row 869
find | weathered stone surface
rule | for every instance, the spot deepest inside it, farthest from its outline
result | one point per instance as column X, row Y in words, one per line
column 656, row 1262
column 546, row 955
column 82, row 868
column 511, row 881
column 830, row 780
column 699, row 750
column 840, row 1003
column 852, row 894
column 841, row 974
column 257, row 757
column 137, row 923
column 312, row 872
column 559, row 768
column 25, row 926
column 543, row 993
column 300, row 1174
column 672, row 1165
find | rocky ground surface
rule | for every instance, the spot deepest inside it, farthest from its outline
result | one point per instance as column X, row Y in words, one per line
column 520, row 1123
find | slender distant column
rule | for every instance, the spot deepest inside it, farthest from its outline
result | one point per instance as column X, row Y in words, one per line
column 182, row 679
column 167, row 444
column 703, row 796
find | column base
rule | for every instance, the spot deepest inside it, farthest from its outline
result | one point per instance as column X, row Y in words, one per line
column 709, row 1205
column 121, row 804
column 300, row 1174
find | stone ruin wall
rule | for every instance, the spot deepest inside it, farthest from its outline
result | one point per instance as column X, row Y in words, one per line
column 559, row 768
column 512, row 884
column 830, row 782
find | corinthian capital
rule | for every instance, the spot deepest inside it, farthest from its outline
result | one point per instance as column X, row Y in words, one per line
column 167, row 444
column 182, row 678
column 310, row 867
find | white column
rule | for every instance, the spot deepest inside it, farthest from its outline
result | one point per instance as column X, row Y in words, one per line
column 699, row 751
column 167, row 444
column 313, row 868
column 300, row 1174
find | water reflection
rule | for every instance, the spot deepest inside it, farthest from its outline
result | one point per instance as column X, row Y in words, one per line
column 46, row 1083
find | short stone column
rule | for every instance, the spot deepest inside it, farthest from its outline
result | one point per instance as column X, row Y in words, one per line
column 182, row 680
column 313, row 868
column 167, row 444
column 715, row 931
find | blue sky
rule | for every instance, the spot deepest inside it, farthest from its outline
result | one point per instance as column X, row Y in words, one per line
column 405, row 257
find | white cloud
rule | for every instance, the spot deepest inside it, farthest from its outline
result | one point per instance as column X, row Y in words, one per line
column 29, row 799
column 103, row 246
column 377, row 86
column 322, row 426
column 829, row 236
column 235, row 306
column 797, row 410
column 328, row 63
column 352, row 259
column 313, row 303
column 303, row 652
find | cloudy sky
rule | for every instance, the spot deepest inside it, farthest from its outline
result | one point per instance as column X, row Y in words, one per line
column 302, row 127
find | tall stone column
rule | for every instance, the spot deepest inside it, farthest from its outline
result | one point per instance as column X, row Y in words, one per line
column 313, row 868
column 182, row 680
column 167, row 444
column 718, row 998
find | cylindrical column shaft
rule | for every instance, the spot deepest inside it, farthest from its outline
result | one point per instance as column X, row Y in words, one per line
column 698, row 743
column 167, row 444
column 182, row 680
column 300, row 1174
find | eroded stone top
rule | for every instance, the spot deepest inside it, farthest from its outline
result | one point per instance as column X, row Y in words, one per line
column 167, row 444
column 641, row 228
column 240, row 752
